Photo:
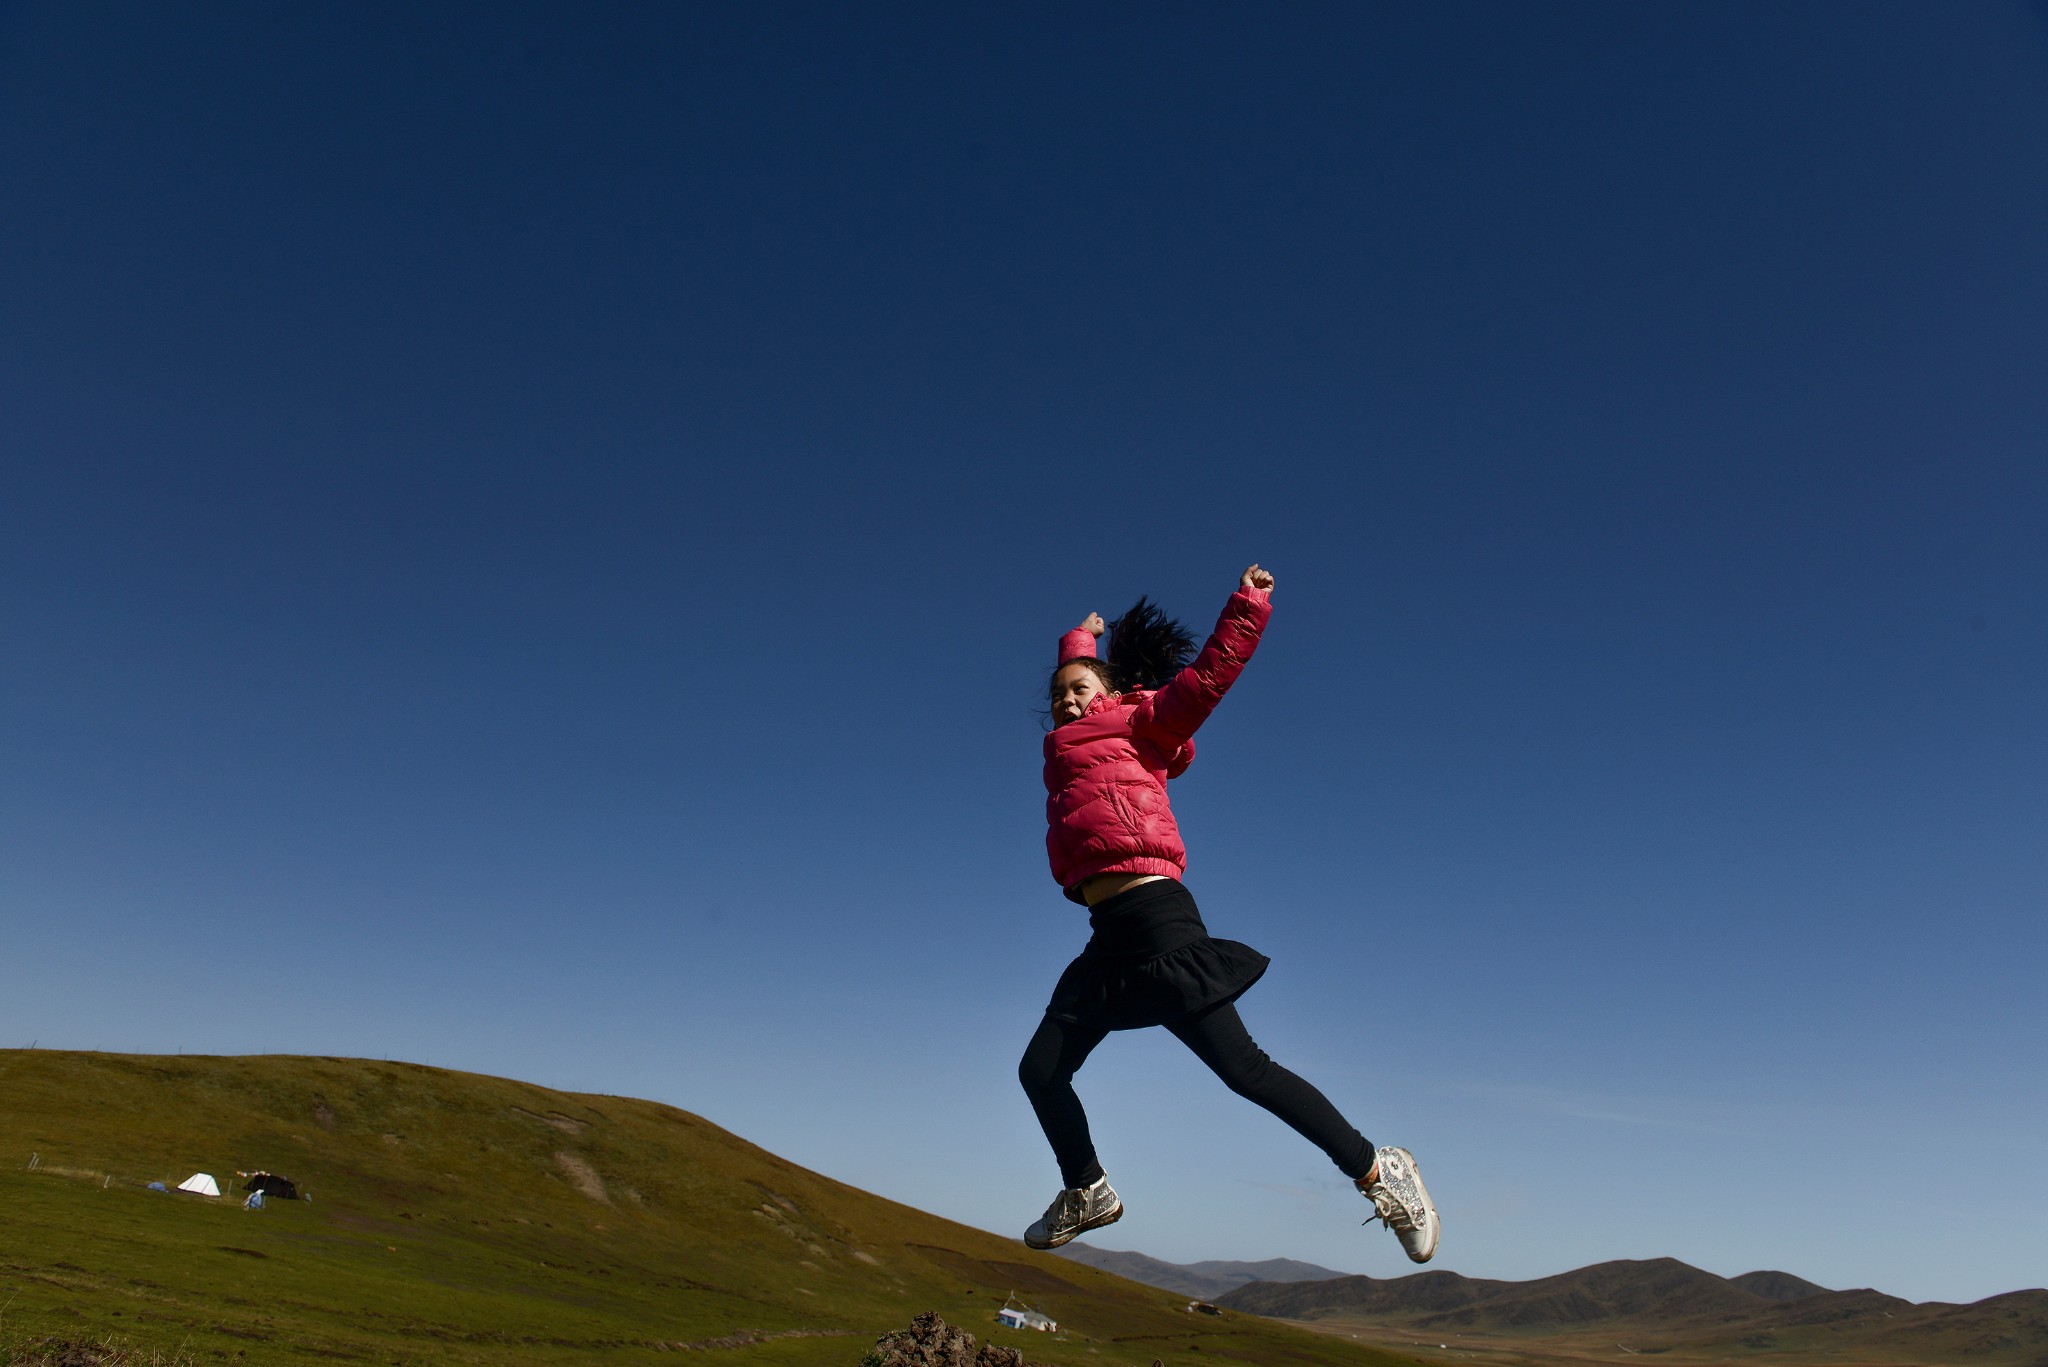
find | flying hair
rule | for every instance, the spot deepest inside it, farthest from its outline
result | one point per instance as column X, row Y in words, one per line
column 1146, row 647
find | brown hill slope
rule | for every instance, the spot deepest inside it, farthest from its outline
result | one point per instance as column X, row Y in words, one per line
column 1663, row 1287
column 1420, row 1294
column 1777, row 1286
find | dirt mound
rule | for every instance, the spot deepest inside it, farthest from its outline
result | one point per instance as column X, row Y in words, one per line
column 931, row 1342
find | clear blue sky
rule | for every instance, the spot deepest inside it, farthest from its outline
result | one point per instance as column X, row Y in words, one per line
column 532, row 537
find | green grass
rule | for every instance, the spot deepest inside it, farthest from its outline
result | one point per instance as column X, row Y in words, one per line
column 465, row 1219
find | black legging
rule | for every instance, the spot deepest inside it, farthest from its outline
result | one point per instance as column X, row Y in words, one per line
column 1219, row 1039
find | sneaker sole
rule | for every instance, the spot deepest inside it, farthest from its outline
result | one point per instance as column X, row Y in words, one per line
column 1107, row 1218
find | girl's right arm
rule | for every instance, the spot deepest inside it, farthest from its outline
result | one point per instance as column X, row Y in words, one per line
column 1191, row 695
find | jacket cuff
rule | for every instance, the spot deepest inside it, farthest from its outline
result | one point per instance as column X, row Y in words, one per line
column 1077, row 644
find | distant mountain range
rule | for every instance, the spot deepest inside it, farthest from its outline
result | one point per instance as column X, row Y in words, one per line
column 1204, row 1280
column 1660, row 1305
column 1611, row 1311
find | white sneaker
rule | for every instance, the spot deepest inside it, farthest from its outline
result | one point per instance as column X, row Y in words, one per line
column 1075, row 1211
column 1402, row 1204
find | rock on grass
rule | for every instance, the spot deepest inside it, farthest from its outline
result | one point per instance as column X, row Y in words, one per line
column 931, row 1342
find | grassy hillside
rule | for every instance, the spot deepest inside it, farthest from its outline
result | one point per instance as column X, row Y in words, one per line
column 464, row 1219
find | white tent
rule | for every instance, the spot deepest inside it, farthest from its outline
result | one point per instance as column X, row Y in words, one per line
column 1017, row 1317
column 200, row 1183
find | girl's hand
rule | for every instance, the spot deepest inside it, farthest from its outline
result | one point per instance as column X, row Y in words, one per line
column 1093, row 624
column 1256, row 578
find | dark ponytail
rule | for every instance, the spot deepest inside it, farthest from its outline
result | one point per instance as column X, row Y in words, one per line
column 1146, row 647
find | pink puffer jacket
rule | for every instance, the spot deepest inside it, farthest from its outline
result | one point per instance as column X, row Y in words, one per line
column 1106, row 771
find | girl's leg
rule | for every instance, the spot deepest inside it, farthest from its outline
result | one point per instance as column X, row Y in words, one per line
column 1055, row 1054
column 1220, row 1040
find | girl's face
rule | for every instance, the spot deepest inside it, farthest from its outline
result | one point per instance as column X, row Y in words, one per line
column 1073, row 688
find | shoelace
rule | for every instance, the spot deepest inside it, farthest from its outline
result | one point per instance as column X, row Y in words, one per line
column 1067, row 1209
column 1387, row 1208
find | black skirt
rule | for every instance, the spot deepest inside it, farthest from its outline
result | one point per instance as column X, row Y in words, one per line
column 1151, row 961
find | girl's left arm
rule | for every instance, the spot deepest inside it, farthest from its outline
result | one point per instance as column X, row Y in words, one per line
column 1190, row 696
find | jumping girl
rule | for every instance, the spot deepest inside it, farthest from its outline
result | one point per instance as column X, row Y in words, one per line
column 1150, row 961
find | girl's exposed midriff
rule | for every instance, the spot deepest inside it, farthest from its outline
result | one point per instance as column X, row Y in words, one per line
column 1104, row 885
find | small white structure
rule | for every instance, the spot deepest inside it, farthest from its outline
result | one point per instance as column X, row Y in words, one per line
column 1016, row 1317
column 200, row 1184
